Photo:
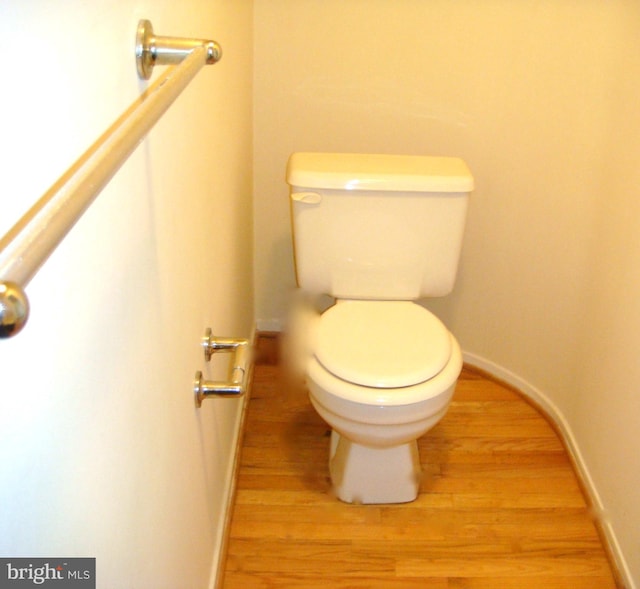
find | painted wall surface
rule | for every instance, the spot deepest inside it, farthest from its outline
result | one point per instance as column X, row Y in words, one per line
column 540, row 98
column 102, row 451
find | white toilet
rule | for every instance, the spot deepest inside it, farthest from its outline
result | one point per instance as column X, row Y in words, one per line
column 378, row 232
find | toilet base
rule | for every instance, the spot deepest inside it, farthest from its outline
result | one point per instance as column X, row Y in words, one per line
column 364, row 474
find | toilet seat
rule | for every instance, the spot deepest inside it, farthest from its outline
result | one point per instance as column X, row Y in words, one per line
column 382, row 344
column 347, row 398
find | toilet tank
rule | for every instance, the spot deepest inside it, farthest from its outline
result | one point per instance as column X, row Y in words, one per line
column 380, row 227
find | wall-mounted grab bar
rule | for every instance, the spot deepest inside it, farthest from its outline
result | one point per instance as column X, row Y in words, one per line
column 238, row 377
column 36, row 235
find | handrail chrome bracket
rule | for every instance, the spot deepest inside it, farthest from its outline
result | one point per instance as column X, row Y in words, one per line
column 14, row 309
column 152, row 49
column 239, row 368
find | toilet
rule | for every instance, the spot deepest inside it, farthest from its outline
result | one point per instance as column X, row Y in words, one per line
column 378, row 233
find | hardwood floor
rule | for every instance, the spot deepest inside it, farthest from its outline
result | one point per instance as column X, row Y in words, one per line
column 499, row 507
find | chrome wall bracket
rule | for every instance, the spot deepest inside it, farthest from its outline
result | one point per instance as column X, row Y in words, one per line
column 14, row 308
column 239, row 368
column 152, row 49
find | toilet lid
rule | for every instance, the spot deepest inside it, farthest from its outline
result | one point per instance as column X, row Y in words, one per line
column 382, row 344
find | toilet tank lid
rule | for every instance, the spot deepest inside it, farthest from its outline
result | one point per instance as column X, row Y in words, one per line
column 394, row 173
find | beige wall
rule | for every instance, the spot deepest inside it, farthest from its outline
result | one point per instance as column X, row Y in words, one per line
column 540, row 99
column 605, row 410
column 102, row 451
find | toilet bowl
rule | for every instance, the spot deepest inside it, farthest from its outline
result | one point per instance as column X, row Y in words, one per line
column 382, row 374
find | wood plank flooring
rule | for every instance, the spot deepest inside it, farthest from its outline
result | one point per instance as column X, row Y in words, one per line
column 499, row 506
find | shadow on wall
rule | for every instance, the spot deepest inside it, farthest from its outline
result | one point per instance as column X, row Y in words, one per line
column 281, row 256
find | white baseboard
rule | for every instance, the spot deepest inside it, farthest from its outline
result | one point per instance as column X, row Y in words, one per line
column 553, row 412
